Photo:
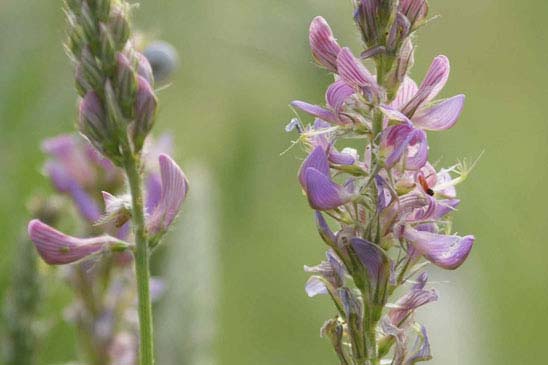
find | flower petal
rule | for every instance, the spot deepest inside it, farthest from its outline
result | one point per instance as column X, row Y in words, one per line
column 433, row 83
column 315, row 286
column 318, row 160
column 407, row 90
column 323, row 44
column 375, row 262
column 337, row 94
column 322, row 192
column 316, row 111
column 174, row 190
column 57, row 248
column 441, row 116
column 445, row 251
column 354, row 72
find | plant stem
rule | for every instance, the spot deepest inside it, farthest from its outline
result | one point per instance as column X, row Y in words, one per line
column 142, row 256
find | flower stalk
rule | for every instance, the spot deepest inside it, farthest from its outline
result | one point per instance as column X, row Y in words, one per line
column 142, row 261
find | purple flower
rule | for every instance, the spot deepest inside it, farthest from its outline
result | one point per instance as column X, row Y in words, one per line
column 407, row 304
column 405, row 141
column 329, row 276
column 336, row 96
column 416, row 103
column 174, row 191
column 322, row 192
column 323, row 44
column 445, row 251
column 57, row 248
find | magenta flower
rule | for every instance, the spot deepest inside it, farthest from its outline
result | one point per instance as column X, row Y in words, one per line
column 57, row 248
column 173, row 193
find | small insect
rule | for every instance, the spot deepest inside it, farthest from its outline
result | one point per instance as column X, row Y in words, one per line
column 424, row 185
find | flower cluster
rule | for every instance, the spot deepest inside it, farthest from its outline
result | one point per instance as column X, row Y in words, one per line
column 391, row 205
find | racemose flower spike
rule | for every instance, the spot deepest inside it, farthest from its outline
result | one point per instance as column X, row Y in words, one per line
column 393, row 210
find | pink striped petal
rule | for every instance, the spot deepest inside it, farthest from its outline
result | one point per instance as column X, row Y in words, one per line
column 337, row 94
column 448, row 252
column 57, row 248
column 433, row 83
column 354, row 72
column 441, row 116
column 174, row 191
column 407, row 90
column 323, row 44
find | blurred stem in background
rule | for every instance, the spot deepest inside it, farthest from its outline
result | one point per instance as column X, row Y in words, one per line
column 23, row 298
column 186, row 320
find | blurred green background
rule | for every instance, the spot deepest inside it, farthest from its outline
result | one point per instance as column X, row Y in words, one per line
column 242, row 61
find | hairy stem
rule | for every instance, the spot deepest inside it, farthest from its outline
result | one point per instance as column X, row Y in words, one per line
column 142, row 256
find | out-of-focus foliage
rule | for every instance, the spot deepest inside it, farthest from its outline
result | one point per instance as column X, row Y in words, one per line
column 242, row 61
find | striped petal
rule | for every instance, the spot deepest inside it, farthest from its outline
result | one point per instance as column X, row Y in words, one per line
column 323, row 44
column 441, row 116
column 433, row 83
column 354, row 72
column 174, row 191
column 446, row 251
column 57, row 248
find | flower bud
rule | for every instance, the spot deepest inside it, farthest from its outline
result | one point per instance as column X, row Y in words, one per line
column 90, row 69
column 126, row 81
column 366, row 16
column 119, row 28
column 144, row 112
column 102, row 9
column 415, row 11
column 93, row 124
column 88, row 22
column 82, row 84
column 108, row 57
column 92, row 118
column 323, row 44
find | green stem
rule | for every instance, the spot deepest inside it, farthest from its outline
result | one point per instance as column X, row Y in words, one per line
column 142, row 256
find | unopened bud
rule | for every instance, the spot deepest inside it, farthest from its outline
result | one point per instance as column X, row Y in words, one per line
column 144, row 68
column 89, row 24
column 144, row 112
column 102, row 9
column 119, row 28
column 108, row 57
column 91, row 70
column 126, row 81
